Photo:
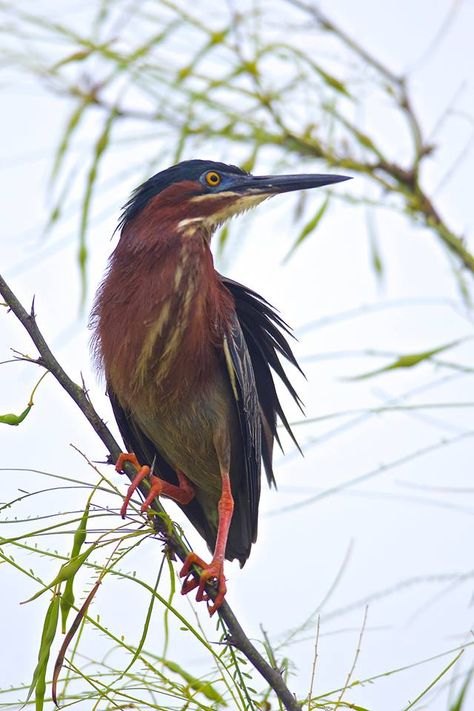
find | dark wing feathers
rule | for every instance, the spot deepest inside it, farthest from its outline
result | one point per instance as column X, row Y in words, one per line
column 253, row 346
column 265, row 334
column 242, row 378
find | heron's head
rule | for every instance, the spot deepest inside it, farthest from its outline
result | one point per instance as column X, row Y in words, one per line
column 204, row 193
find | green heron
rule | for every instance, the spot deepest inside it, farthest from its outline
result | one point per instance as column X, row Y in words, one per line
column 188, row 356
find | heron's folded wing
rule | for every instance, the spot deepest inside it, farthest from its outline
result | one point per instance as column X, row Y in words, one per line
column 242, row 380
column 266, row 338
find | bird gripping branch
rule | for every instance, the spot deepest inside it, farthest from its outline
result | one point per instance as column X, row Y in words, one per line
column 189, row 356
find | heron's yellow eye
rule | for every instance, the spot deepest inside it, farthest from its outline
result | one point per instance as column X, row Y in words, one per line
column 213, row 178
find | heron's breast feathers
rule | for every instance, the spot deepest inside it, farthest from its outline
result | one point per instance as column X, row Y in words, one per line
column 173, row 320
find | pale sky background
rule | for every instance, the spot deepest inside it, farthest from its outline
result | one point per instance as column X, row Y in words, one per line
column 401, row 539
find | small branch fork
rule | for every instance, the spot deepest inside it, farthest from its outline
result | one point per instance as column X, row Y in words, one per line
column 236, row 635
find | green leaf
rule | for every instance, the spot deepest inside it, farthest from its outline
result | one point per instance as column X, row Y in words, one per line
column 204, row 687
column 11, row 419
column 458, row 703
column 249, row 163
column 100, row 147
column 71, row 126
column 366, row 141
column 38, row 683
column 375, row 255
column 331, row 81
column 66, row 571
column 67, row 640
column 184, row 72
column 219, row 37
column 67, row 597
column 79, row 56
column 250, row 67
column 461, row 283
column 222, row 239
column 308, row 228
column 407, row 361
column 150, row 44
column 434, row 682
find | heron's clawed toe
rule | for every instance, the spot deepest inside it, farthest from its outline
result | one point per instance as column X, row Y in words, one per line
column 213, row 571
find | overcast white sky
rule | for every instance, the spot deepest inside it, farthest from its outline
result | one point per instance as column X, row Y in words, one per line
column 404, row 533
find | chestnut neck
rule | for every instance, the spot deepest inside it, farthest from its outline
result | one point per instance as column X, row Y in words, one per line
column 174, row 310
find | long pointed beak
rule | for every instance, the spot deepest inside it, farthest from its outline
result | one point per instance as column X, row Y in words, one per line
column 274, row 184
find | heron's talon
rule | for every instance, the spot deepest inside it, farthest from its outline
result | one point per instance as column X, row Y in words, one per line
column 142, row 473
column 214, row 571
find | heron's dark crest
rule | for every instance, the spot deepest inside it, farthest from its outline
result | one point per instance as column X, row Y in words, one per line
column 188, row 170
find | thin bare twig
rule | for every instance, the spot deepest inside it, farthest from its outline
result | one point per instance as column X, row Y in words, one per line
column 356, row 657
column 315, row 659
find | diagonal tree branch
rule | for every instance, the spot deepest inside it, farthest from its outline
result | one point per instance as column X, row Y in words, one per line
column 236, row 635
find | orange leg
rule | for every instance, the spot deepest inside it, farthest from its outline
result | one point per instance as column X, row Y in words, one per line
column 183, row 493
column 215, row 569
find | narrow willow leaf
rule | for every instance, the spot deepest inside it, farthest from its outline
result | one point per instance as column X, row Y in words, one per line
column 366, row 141
column 204, row 687
column 67, row 597
column 222, row 239
column 11, row 419
column 67, row 640
column 79, row 56
column 461, row 283
column 219, row 37
column 81, row 532
column 38, row 683
column 251, row 68
column 151, row 44
column 184, row 73
column 334, row 83
column 66, row 571
column 71, row 126
column 249, row 163
column 100, row 148
column 54, row 216
column 14, row 420
column 434, row 682
column 375, row 256
column 407, row 361
column 308, row 229
column 190, row 68
column 458, row 704
column 183, row 136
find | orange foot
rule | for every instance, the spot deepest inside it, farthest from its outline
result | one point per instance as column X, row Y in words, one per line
column 210, row 571
column 183, row 493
